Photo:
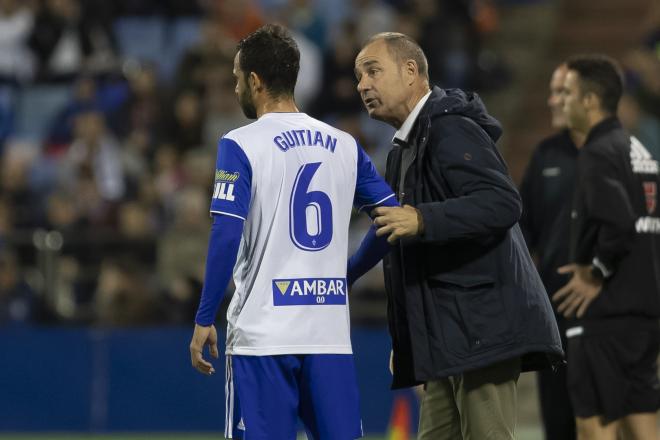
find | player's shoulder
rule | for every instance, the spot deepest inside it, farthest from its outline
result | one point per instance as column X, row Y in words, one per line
column 240, row 133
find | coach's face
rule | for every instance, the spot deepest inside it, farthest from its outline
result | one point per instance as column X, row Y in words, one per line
column 243, row 91
column 575, row 109
column 381, row 84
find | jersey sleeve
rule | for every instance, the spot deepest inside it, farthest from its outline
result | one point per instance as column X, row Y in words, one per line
column 233, row 181
column 371, row 190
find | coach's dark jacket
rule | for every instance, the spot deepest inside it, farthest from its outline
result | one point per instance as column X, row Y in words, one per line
column 465, row 294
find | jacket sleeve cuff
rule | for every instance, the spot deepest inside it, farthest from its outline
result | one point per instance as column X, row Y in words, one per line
column 431, row 214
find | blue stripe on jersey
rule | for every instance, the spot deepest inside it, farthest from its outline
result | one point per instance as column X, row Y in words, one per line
column 370, row 188
column 223, row 249
column 233, row 180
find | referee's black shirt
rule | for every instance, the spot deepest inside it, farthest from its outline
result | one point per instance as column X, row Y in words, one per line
column 547, row 192
column 616, row 222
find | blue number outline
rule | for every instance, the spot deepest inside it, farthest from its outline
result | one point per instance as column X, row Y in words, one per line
column 317, row 196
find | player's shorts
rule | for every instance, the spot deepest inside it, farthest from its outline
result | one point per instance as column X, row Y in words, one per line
column 612, row 367
column 265, row 396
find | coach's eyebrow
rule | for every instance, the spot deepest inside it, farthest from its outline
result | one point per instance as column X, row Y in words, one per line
column 365, row 65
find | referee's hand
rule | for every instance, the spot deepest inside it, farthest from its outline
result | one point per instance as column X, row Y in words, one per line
column 576, row 296
column 201, row 337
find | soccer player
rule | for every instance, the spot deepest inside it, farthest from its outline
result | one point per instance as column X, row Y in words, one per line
column 284, row 189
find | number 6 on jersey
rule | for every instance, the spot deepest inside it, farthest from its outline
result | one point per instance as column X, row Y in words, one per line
column 310, row 213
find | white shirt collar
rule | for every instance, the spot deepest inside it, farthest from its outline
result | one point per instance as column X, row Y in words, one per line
column 404, row 131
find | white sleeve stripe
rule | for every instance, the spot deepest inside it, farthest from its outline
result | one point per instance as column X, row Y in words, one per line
column 375, row 204
column 601, row 266
column 227, row 213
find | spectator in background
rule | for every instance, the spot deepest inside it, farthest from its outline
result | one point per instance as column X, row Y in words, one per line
column 89, row 94
column 200, row 62
column 643, row 64
column 374, row 16
column 546, row 192
column 238, row 17
column 182, row 254
column 196, row 171
column 136, row 158
column 61, row 131
column 304, row 18
column 16, row 22
column 15, row 186
column 183, row 8
column 137, row 232
column 221, row 111
column 168, row 175
column 78, row 259
column 640, row 124
column 65, row 42
column 144, row 109
column 92, row 169
column 123, row 296
column 337, row 96
column 185, row 126
column 6, row 221
column 311, row 62
column 17, row 300
column 140, row 8
column 448, row 32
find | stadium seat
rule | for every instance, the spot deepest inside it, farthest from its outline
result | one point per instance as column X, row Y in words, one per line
column 36, row 108
column 7, row 100
column 182, row 34
column 142, row 38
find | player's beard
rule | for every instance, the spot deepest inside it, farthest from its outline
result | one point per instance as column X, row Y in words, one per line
column 247, row 104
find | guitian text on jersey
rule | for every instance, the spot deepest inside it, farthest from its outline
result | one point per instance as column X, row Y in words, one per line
column 304, row 138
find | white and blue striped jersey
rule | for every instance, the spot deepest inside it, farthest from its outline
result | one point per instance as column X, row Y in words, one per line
column 294, row 180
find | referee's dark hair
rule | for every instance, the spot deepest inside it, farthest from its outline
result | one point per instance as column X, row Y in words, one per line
column 403, row 48
column 273, row 55
column 601, row 75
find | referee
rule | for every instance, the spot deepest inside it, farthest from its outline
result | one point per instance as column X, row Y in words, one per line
column 545, row 192
column 614, row 291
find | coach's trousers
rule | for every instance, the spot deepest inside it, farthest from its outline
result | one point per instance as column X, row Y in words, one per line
column 476, row 405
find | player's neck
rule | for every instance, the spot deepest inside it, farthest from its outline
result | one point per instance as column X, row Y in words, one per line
column 280, row 105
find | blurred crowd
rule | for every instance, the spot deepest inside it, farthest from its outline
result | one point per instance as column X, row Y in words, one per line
column 639, row 109
column 110, row 113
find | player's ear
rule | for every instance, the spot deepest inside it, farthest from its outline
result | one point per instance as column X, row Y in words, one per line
column 255, row 82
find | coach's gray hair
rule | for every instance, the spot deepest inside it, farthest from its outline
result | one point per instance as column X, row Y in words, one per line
column 403, row 48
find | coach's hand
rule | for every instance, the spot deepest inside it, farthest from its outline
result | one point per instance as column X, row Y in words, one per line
column 398, row 222
column 201, row 337
column 581, row 290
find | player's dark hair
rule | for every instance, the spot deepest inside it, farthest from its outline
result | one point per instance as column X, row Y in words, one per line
column 601, row 75
column 273, row 55
column 403, row 48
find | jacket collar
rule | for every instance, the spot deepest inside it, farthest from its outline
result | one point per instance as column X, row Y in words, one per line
column 603, row 127
column 403, row 133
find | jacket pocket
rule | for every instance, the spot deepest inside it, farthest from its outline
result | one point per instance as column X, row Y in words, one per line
column 480, row 311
